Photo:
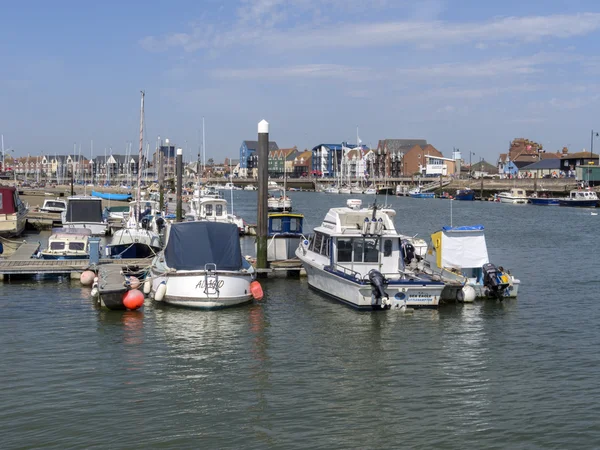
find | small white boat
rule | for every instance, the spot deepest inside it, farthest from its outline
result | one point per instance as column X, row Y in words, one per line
column 85, row 212
column 514, row 196
column 279, row 203
column 272, row 186
column 54, row 206
column 250, row 187
column 370, row 191
column 460, row 254
column 356, row 256
column 345, row 190
column 231, row 187
column 67, row 243
column 213, row 210
column 331, row 190
column 356, row 190
column 13, row 212
column 201, row 267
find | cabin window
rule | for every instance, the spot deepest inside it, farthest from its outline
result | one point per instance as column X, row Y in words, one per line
column 209, row 210
column 295, row 224
column 317, row 242
column 218, row 210
column 276, row 224
column 325, row 247
column 357, row 247
column 76, row 245
column 387, row 247
column 57, row 245
column 344, row 250
column 55, row 205
column 371, row 250
column 1, row 204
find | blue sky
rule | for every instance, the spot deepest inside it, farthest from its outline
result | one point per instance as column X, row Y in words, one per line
column 466, row 74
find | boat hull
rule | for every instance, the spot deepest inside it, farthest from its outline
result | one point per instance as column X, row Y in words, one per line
column 578, row 203
column 131, row 251
column 190, row 290
column 12, row 225
column 62, row 257
column 469, row 196
column 112, row 196
column 423, row 195
column 358, row 295
column 544, row 201
column 513, row 200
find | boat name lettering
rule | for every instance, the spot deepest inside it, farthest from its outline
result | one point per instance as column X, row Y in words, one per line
column 212, row 284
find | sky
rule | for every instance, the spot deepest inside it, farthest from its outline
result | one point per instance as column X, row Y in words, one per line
column 462, row 74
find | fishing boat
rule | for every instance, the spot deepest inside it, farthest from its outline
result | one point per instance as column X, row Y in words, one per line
column 84, row 212
column 459, row 254
column 67, row 243
column 465, row 194
column 580, row 198
column 356, row 257
column 284, row 232
column 418, row 192
column 515, row 196
column 54, row 205
column 201, row 266
column 279, row 202
column 13, row 212
column 213, row 210
column 112, row 196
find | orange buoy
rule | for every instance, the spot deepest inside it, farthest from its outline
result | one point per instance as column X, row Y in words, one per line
column 133, row 299
column 256, row 290
column 134, row 282
column 87, row 278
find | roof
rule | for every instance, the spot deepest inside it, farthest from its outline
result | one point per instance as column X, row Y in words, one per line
column 553, row 163
column 253, row 145
column 579, row 155
column 484, row 166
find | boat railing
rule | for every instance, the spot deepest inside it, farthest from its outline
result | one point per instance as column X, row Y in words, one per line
column 333, row 267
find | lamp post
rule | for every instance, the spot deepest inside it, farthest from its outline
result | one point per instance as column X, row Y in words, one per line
column 470, row 165
column 592, row 146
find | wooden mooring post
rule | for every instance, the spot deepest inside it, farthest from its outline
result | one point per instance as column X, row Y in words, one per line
column 263, row 210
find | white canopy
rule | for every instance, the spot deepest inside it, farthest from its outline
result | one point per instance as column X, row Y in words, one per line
column 464, row 248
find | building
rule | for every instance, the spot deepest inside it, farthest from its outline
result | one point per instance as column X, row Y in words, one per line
column 438, row 166
column 327, row 158
column 115, row 168
column 483, row 169
column 570, row 161
column 402, row 157
column 278, row 161
column 169, row 155
column 302, row 164
column 550, row 167
column 249, row 157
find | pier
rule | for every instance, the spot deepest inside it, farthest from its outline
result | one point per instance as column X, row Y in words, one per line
column 21, row 263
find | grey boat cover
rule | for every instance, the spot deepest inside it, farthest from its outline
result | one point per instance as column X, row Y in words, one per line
column 84, row 210
column 192, row 245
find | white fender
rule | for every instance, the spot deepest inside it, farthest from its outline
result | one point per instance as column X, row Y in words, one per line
column 147, row 285
column 468, row 293
column 161, row 290
column 95, row 292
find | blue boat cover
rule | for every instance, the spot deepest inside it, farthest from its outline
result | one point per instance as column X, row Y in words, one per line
column 112, row 196
column 464, row 228
column 192, row 245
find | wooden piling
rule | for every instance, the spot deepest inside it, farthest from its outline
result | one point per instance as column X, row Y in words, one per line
column 263, row 179
column 179, row 169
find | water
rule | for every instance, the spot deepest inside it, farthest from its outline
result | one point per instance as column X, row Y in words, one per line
column 300, row 371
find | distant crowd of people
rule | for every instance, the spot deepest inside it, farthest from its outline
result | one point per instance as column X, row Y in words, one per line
column 554, row 174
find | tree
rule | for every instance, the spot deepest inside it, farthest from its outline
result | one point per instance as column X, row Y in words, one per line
column 211, row 162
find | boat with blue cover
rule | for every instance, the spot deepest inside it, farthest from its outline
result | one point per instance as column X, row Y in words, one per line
column 112, row 196
column 418, row 193
column 544, row 201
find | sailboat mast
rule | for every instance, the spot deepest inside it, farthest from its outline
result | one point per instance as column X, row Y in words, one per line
column 140, row 157
column 203, row 148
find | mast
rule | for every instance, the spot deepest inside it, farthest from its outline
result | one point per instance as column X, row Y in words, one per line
column 203, row 148
column 138, row 208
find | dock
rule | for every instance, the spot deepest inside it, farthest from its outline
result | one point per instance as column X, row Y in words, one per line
column 22, row 263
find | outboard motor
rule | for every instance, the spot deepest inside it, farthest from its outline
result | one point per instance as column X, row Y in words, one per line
column 378, row 282
column 409, row 252
column 160, row 223
column 492, row 281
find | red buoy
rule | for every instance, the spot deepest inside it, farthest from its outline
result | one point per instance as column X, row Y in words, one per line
column 133, row 299
column 256, row 290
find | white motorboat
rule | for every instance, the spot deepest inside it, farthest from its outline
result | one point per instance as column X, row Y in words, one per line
column 460, row 254
column 139, row 237
column 331, row 190
column 514, row 195
column 345, row 190
column 231, row 187
column 580, row 198
column 279, row 203
column 213, row 210
column 356, row 190
column 250, row 187
column 13, row 212
column 201, row 267
column 84, row 212
column 370, row 191
column 356, row 257
column 67, row 243
column 272, row 186
column 54, row 206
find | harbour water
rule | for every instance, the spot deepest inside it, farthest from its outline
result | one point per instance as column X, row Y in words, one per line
column 300, row 371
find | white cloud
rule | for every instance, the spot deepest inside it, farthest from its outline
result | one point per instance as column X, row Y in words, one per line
column 332, row 71
column 425, row 34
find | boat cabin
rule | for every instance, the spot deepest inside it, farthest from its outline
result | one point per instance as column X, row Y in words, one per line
column 285, row 234
column 67, row 243
column 54, row 206
column 12, row 212
column 583, row 195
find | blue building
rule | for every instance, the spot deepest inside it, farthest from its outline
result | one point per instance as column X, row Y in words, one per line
column 327, row 158
column 249, row 158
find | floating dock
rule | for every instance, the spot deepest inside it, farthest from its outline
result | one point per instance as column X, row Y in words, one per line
column 22, row 263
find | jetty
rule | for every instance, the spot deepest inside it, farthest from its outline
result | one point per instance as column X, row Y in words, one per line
column 22, row 263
